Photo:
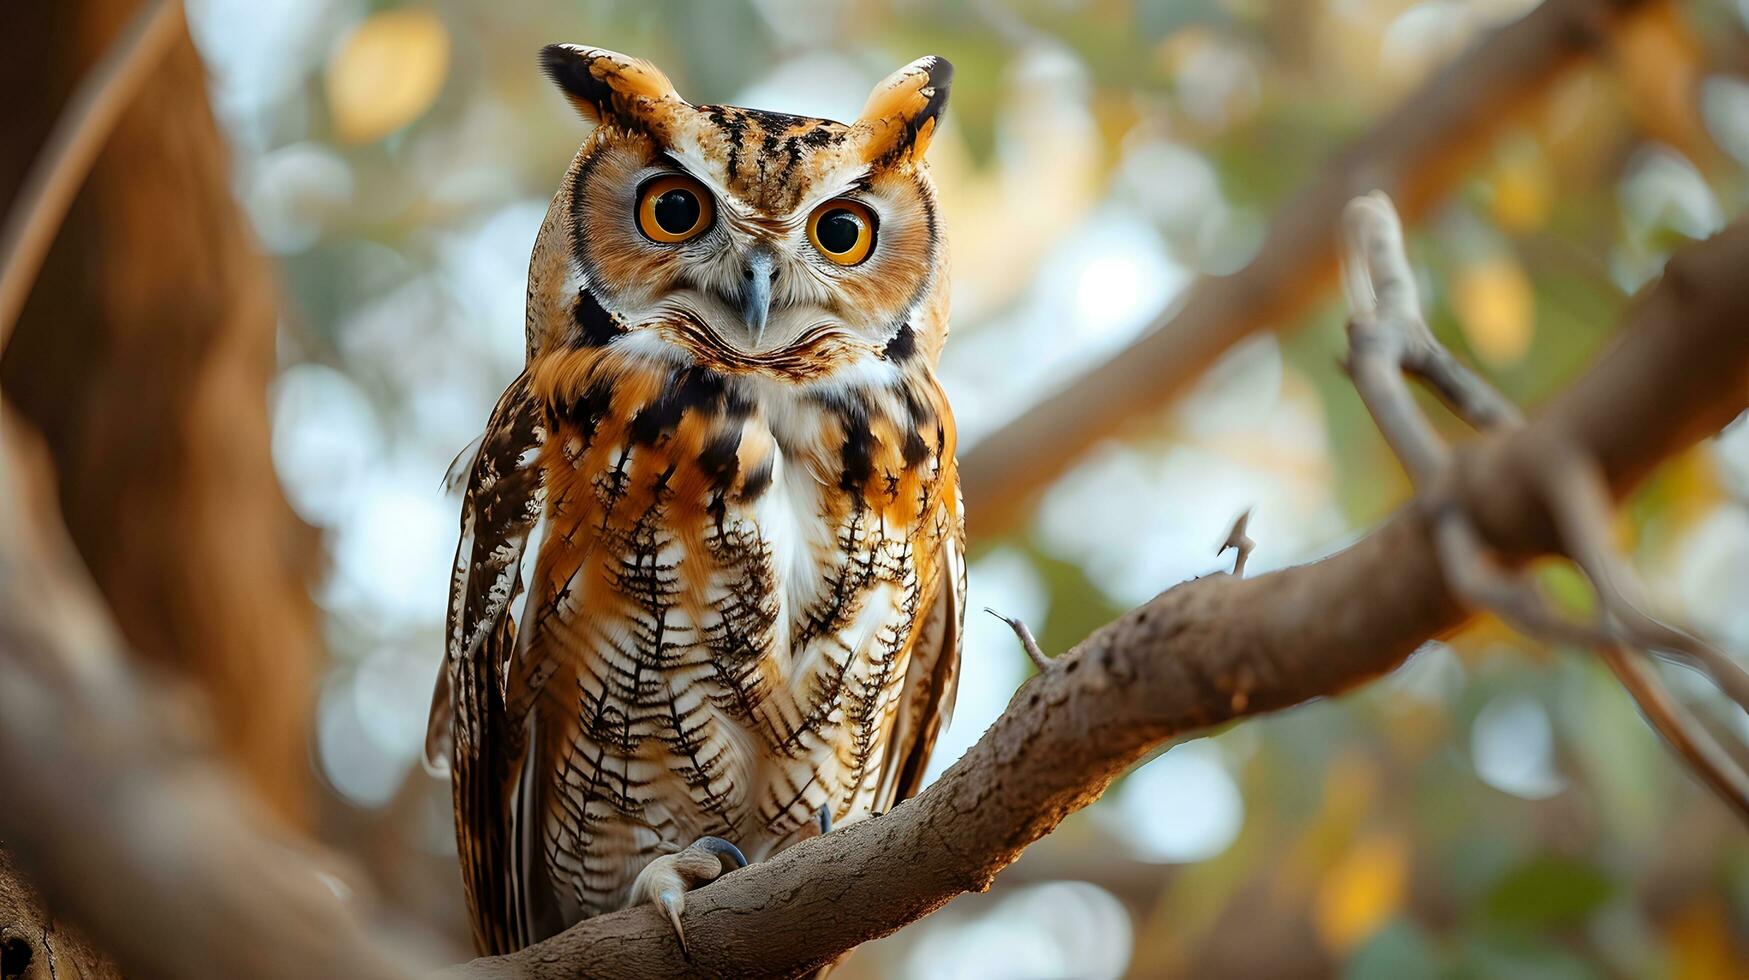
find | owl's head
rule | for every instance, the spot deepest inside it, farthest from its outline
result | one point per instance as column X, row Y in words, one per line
column 755, row 241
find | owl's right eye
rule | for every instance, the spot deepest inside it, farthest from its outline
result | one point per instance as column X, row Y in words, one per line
column 673, row 209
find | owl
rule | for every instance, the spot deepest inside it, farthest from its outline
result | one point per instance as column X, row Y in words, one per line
column 707, row 600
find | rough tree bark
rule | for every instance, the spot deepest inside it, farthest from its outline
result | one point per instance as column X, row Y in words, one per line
column 34, row 945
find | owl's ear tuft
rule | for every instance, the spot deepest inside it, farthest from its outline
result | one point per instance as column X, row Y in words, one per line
column 904, row 109
column 606, row 85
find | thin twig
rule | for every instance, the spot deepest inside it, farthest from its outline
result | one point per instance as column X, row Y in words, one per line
column 72, row 148
column 1686, row 735
column 1240, row 542
column 1584, row 518
column 1389, row 340
column 1027, row 643
column 1482, row 583
column 1385, row 325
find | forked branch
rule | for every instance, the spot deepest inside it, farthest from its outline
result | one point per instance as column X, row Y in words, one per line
column 1389, row 338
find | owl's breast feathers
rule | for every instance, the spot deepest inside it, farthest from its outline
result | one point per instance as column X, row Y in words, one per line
column 744, row 609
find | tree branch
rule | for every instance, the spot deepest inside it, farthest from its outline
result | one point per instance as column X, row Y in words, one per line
column 1388, row 338
column 1414, row 154
column 1200, row 654
column 115, row 804
column 143, row 357
column 72, row 148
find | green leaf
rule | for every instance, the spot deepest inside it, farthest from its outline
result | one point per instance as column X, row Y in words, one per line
column 1519, row 958
column 1567, row 586
column 1399, row 951
column 1546, row 891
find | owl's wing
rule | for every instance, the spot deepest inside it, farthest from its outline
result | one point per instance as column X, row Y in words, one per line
column 485, row 739
column 931, row 681
column 440, row 721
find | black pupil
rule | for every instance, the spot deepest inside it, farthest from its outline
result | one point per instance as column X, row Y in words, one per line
column 676, row 211
column 838, row 231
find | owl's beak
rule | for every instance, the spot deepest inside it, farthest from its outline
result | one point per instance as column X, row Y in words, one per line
column 756, row 294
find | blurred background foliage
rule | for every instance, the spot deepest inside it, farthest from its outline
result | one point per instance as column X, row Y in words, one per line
column 1492, row 809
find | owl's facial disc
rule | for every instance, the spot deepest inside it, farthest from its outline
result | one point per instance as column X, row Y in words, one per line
column 658, row 235
column 759, row 232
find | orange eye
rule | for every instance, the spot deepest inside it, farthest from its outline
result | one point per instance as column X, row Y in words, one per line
column 673, row 209
column 842, row 230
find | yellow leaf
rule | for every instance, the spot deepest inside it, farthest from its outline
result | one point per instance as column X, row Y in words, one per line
column 386, row 72
column 1362, row 892
column 1659, row 59
column 1496, row 307
column 1700, row 944
column 1523, row 192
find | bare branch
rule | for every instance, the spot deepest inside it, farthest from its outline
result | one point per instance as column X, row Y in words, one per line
column 1389, row 338
column 1240, row 543
column 1584, row 515
column 1027, row 643
column 1685, row 734
column 78, row 137
column 115, row 806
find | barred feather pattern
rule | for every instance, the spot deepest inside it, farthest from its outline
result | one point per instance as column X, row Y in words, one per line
column 745, row 608
column 470, row 731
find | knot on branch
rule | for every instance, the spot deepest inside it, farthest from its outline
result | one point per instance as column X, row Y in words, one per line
column 16, row 955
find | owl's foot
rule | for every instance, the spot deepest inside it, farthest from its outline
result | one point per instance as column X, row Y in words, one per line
column 667, row 879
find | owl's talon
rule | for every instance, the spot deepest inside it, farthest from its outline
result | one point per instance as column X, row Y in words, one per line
column 825, row 818
column 722, row 849
column 666, row 880
column 672, row 903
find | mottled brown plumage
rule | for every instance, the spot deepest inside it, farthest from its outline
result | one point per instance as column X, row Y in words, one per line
column 726, row 482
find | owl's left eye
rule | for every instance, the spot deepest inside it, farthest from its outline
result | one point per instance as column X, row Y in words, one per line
column 673, row 209
column 843, row 231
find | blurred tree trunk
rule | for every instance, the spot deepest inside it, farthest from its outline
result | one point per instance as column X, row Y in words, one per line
column 144, row 356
